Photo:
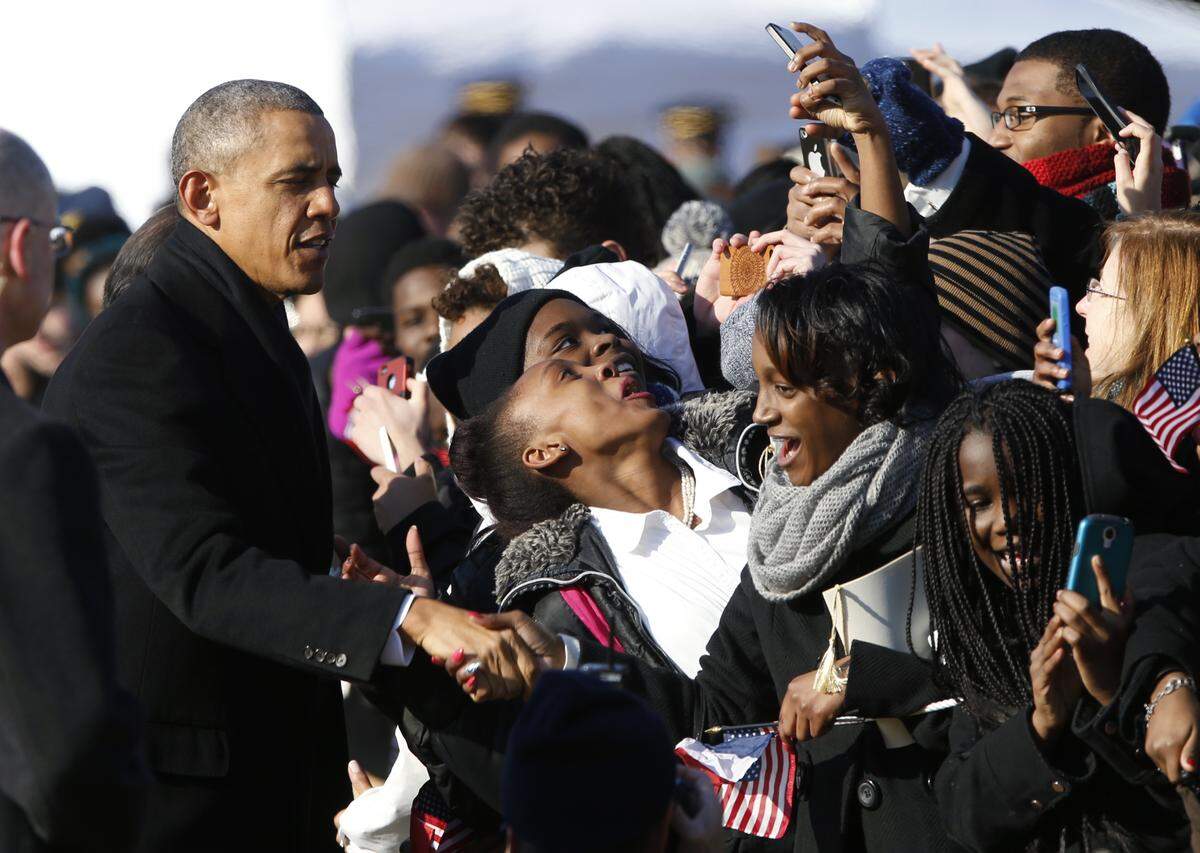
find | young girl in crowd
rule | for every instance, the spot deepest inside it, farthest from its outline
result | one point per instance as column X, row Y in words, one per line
column 1034, row 664
column 1145, row 305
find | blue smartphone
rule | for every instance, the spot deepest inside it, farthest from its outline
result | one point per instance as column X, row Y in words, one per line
column 1110, row 537
column 1060, row 311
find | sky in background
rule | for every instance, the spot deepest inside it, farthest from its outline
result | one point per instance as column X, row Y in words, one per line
column 97, row 88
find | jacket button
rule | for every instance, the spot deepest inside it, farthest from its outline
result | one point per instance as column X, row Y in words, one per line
column 1110, row 728
column 929, row 782
column 869, row 794
column 308, row 652
column 340, row 660
column 1036, row 805
column 1057, row 787
column 320, row 655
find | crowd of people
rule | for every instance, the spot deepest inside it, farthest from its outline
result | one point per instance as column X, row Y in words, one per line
column 484, row 517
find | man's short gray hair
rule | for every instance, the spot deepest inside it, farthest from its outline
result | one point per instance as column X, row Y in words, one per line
column 223, row 122
column 26, row 188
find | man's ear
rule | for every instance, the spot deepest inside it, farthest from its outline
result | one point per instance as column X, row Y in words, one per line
column 196, row 193
column 16, row 238
column 543, row 453
column 1095, row 131
column 614, row 246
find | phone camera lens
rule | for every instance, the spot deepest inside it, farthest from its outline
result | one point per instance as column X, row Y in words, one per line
column 391, row 383
column 1110, row 534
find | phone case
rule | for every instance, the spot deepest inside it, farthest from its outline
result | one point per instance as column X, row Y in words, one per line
column 395, row 374
column 1060, row 311
column 1109, row 536
column 743, row 272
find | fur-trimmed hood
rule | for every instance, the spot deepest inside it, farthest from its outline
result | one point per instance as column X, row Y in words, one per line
column 715, row 426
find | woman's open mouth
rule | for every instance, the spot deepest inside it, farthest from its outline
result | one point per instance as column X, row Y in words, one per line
column 787, row 448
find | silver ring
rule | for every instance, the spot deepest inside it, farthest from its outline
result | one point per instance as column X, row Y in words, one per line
column 472, row 668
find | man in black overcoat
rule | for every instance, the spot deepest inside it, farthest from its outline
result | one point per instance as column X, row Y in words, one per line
column 198, row 409
column 72, row 776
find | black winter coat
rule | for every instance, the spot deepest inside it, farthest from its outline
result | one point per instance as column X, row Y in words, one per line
column 998, row 790
column 72, row 776
column 198, row 409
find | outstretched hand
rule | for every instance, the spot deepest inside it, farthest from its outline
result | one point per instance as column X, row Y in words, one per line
column 547, row 647
column 359, row 566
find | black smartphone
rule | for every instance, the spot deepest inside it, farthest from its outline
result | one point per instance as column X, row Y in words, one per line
column 816, row 156
column 1111, row 114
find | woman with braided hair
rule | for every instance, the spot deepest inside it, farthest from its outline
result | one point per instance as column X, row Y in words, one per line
column 1000, row 498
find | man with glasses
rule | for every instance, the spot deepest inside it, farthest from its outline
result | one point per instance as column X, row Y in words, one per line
column 71, row 775
column 1042, row 121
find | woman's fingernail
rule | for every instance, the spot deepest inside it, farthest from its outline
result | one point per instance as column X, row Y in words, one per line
column 470, row 683
column 436, row 661
column 458, row 656
column 1189, row 763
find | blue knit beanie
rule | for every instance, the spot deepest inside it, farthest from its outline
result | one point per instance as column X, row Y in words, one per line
column 924, row 138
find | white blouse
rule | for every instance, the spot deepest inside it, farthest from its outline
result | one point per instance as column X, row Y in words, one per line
column 681, row 578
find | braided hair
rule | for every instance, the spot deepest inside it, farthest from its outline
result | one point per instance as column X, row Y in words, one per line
column 986, row 631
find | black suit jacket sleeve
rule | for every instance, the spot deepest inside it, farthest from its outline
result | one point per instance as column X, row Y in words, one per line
column 69, row 737
column 168, row 492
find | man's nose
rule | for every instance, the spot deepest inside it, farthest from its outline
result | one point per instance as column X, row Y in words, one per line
column 324, row 204
column 1000, row 137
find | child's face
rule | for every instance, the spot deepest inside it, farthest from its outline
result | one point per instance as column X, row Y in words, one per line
column 416, row 321
column 984, row 513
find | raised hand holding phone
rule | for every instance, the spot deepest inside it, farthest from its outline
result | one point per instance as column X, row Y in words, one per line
column 832, row 90
column 1139, row 184
column 1095, row 609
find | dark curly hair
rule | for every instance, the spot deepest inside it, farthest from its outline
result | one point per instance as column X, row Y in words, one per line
column 570, row 198
column 484, row 288
column 861, row 341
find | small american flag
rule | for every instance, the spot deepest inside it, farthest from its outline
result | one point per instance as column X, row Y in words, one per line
column 757, row 800
column 1169, row 405
column 434, row 827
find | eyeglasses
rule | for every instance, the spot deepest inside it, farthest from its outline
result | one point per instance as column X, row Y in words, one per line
column 62, row 237
column 1023, row 117
column 1093, row 289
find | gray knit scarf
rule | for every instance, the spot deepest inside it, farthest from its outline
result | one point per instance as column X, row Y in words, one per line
column 800, row 536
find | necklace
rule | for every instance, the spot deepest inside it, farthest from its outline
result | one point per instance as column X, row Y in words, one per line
column 687, row 480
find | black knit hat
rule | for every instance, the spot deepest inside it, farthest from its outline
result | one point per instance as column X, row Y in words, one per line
column 363, row 244
column 485, row 364
column 589, row 766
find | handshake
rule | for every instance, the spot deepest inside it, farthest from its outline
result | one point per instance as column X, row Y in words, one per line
column 491, row 656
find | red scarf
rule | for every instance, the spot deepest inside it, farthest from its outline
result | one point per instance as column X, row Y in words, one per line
column 1079, row 171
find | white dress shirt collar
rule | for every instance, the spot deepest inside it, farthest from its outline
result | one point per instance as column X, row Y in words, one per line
column 928, row 199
